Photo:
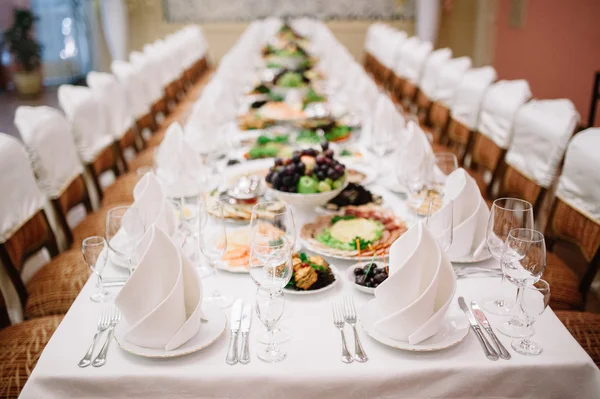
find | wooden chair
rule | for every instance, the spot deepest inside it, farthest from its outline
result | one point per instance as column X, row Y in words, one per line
column 486, row 156
column 585, row 328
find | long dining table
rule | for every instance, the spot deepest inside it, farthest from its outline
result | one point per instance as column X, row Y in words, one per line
column 313, row 368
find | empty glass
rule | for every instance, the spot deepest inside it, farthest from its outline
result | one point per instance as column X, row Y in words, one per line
column 124, row 229
column 212, row 241
column 440, row 221
column 413, row 174
column 523, row 262
column 269, row 309
column 444, row 163
column 95, row 254
column 186, row 211
column 506, row 214
column 271, row 219
column 534, row 300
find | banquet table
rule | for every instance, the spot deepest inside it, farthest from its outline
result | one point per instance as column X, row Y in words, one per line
column 313, row 368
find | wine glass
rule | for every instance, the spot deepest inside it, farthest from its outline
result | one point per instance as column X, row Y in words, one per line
column 440, row 221
column 523, row 262
column 124, row 229
column 272, row 219
column 506, row 214
column 186, row 210
column 413, row 173
column 444, row 163
column 212, row 241
column 95, row 254
column 269, row 309
column 534, row 300
column 384, row 139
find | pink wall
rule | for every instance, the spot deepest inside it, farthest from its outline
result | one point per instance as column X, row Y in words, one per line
column 557, row 50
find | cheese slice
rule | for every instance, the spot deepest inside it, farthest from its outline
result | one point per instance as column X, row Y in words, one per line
column 348, row 230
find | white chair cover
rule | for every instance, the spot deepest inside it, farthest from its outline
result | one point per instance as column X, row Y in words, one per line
column 500, row 105
column 411, row 59
column 579, row 183
column 541, row 133
column 21, row 198
column 112, row 94
column 469, row 95
column 393, row 41
column 86, row 115
column 47, row 137
column 448, row 79
column 133, row 83
column 149, row 73
column 433, row 64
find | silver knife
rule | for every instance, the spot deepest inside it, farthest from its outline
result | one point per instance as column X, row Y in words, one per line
column 246, row 321
column 236, row 317
column 489, row 351
column 480, row 316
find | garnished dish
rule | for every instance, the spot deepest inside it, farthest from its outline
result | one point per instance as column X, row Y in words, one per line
column 270, row 147
column 370, row 275
column 366, row 230
column 307, row 172
column 310, row 273
column 332, row 133
column 353, row 195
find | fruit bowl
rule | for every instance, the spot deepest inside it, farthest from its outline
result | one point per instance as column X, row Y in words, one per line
column 306, row 200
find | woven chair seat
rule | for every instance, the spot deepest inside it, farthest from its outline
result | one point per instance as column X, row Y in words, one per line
column 121, row 191
column 20, row 348
column 564, row 284
column 94, row 224
column 585, row 328
column 53, row 289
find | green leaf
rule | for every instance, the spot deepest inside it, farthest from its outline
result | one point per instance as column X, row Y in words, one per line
column 336, row 219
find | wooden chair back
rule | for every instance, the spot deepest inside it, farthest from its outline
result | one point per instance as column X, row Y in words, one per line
column 76, row 193
column 488, row 156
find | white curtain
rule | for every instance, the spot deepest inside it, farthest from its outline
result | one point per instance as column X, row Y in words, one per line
column 428, row 18
column 115, row 27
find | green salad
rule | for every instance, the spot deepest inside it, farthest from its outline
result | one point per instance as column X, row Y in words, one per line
column 345, row 232
column 291, row 80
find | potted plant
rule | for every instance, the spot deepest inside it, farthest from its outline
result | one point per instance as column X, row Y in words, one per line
column 26, row 52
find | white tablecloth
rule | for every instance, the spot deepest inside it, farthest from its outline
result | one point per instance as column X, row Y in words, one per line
column 313, row 368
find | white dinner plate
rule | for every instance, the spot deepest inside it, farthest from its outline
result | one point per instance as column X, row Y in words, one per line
column 336, row 273
column 454, row 330
column 351, row 278
column 210, row 331
column 319, row 251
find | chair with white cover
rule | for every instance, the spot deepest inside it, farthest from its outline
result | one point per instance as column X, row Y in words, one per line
column 370, row 45
column 494, row 132
column 427, row 83
column 411, row 59
column 120, row 119
column 393, row 42
column 573, row 230
column 152, row 77
column 542, row 131
column 24, row 231
column 464, row 111
column 447, row 81
column 134, row 85
column 91, row 131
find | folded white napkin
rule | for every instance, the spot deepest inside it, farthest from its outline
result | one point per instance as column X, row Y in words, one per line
column 178, row 166
column 414, row 299
column 470, row 214
column 161, row 301
column 152, row 205
column 416, row 150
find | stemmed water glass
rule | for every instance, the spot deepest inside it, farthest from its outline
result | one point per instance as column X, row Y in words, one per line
column 186, row 209
column 523, row 262
column 506, row 214
column 95, row 254
column 212, row 241
column 269, row 309
column 444, row 163
column 413, row 173
column 440, row 221
column 124, row 229
column 534, row 300
column 272, row 219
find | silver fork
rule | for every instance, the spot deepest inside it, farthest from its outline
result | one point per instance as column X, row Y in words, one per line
column 103, row 323
column 338, row 321
column 350, row 316
column 100, row 360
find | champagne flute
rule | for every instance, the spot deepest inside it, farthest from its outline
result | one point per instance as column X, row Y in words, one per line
column 95, row 254
column 124, row 229
column 269, row 309
column 523, row 262
column 534, row 300
column 440, row 221
column 506, row 214
column 212, row 241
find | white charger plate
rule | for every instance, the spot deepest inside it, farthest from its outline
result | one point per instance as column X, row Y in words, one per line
column 454, row 330
column 336, row 273
column 210, row 330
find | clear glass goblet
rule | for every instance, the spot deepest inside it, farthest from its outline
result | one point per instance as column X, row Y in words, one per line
column 534, row 300
column 95, row 254
column 269, row 309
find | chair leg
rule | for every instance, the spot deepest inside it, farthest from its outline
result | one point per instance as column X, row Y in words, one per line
column 96, row 181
